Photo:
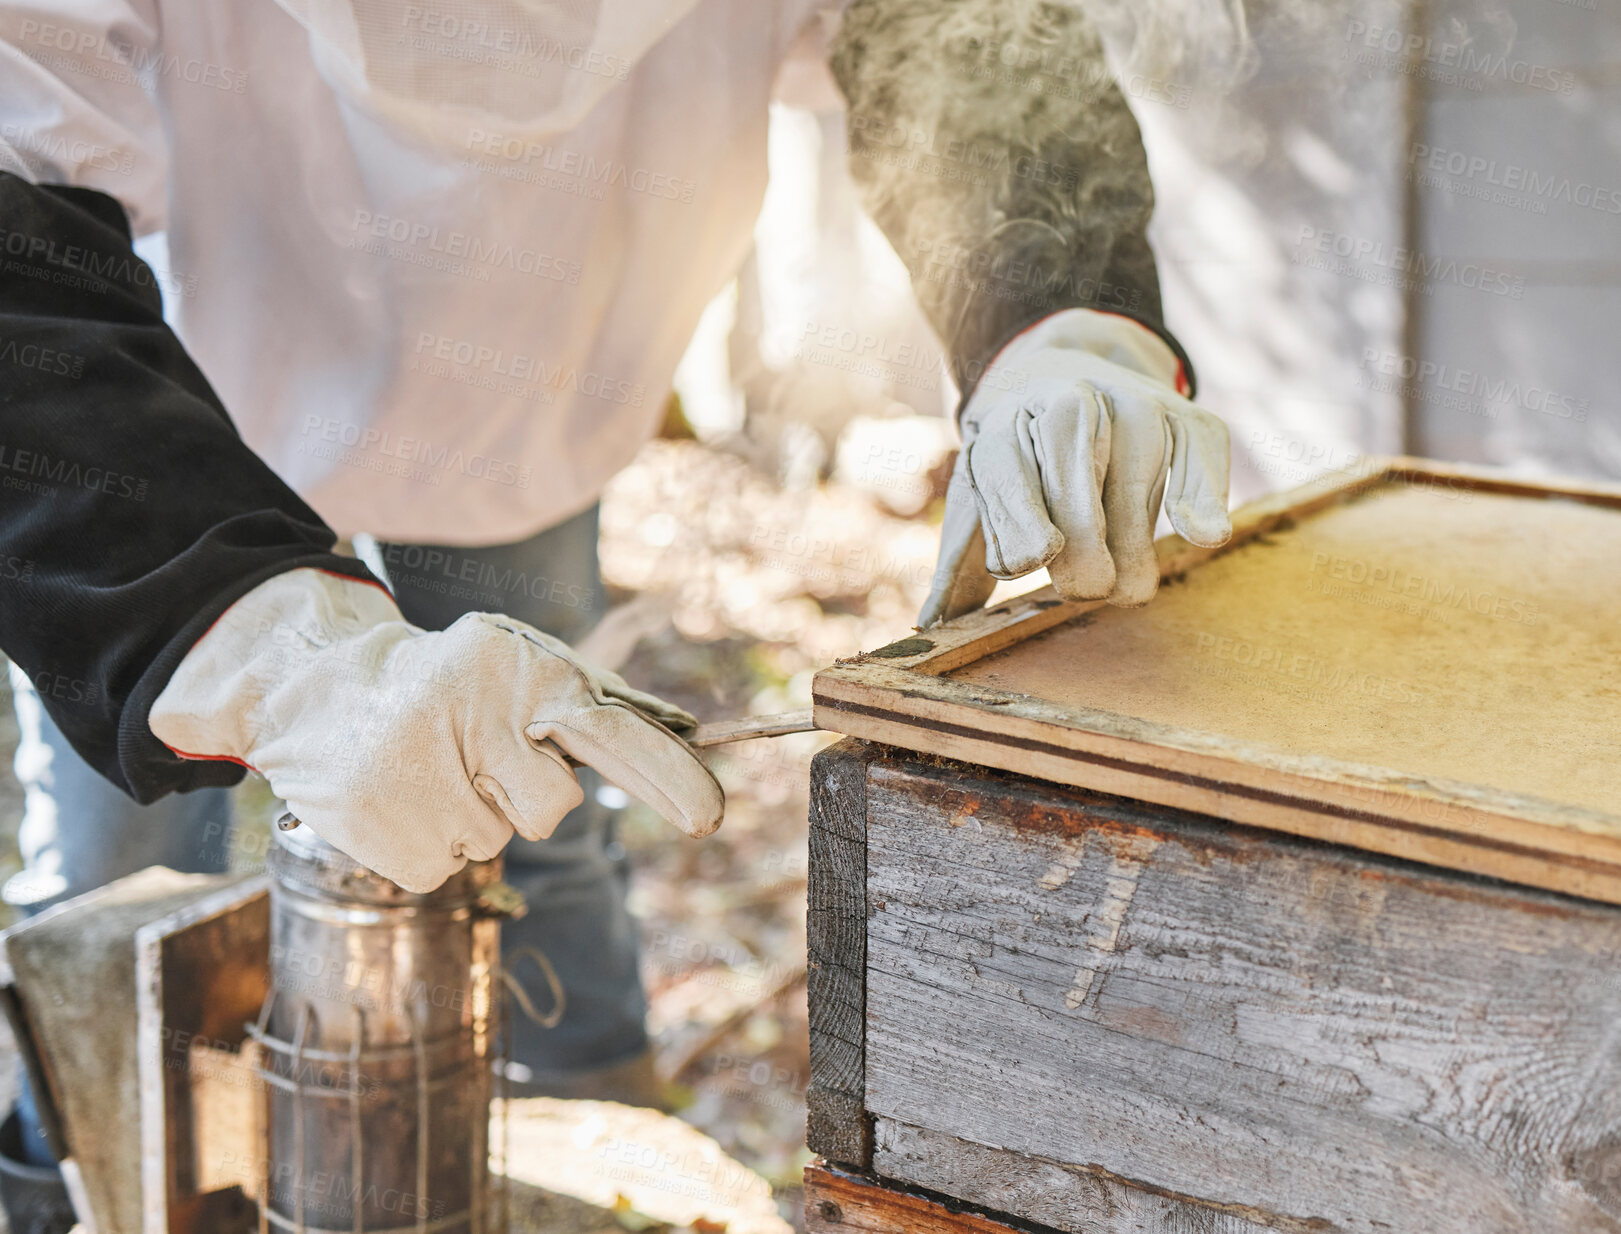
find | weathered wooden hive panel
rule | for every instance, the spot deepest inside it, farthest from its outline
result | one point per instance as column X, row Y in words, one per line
column 1153, row 1010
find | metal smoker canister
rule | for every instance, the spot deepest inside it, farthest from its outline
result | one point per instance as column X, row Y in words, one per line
column 377, row 1043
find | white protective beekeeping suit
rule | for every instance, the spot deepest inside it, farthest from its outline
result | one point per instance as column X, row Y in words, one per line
column 438, row 259
column 529, row 68
column 440, row 262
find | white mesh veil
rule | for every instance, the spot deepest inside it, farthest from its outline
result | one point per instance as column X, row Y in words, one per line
column 442, row 68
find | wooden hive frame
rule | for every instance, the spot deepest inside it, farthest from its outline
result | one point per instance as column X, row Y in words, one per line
column 902, row 695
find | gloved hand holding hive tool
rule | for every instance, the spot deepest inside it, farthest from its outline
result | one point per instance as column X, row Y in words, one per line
column 415, row 752
column 1075, row 434
column 178, row 469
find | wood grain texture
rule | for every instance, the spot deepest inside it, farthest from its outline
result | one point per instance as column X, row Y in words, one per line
column 1052, row 1193
column 74, row 966
column 949, row 646
column 1425, row 634
column 1290, row 1034
column 840, row 1203
column 1425, row 666
column 837, row 1125
column 201, row 974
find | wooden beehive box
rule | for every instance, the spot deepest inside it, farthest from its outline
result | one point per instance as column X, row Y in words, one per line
column 1285, row 903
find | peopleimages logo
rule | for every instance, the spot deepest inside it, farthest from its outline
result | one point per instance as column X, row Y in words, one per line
column 1491, row 392
column 120, row 60
column 1376, row 261
column 1294, row 669
column 897, row 144
column 344, row 439
column 1008, row 278
column 448, row 572
column 45, row 359
column 462, row 246
column 1472, row 65
column 582, row 171
column 1374, row 576
column 1042, row 69
column 71, row 152
column 906, row 363
column 37, row 472
column 74, row 265
column 1512, row 178
column 522, row 368
column 518, row 50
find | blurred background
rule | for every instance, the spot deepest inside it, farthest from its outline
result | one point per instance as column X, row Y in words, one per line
column 1399, row 230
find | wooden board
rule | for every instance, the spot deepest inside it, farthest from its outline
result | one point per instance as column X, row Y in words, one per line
column 73, row 970
column 201, row 975
column 1089, row 1198
column 841, row 1203
column 1103, row 1016
column 1421, row 661
column 836, row 1121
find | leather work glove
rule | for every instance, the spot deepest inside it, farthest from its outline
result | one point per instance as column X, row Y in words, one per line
column 1071, row 439
column 415, row 752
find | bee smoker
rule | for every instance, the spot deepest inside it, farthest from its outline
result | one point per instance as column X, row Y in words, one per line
column 378, row 1045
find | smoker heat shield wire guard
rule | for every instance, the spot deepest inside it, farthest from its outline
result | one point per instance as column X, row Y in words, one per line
column 380, row 1043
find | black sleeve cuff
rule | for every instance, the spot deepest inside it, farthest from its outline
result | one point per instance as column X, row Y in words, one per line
column 150, row 769
column 131, row 512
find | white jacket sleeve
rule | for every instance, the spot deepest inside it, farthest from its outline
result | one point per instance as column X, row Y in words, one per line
column 78, row 100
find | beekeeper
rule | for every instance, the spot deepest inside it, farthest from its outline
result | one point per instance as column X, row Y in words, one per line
column 432, row 265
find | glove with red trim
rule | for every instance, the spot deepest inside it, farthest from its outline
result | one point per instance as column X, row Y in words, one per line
column 415, row 752
column 1071, row 440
